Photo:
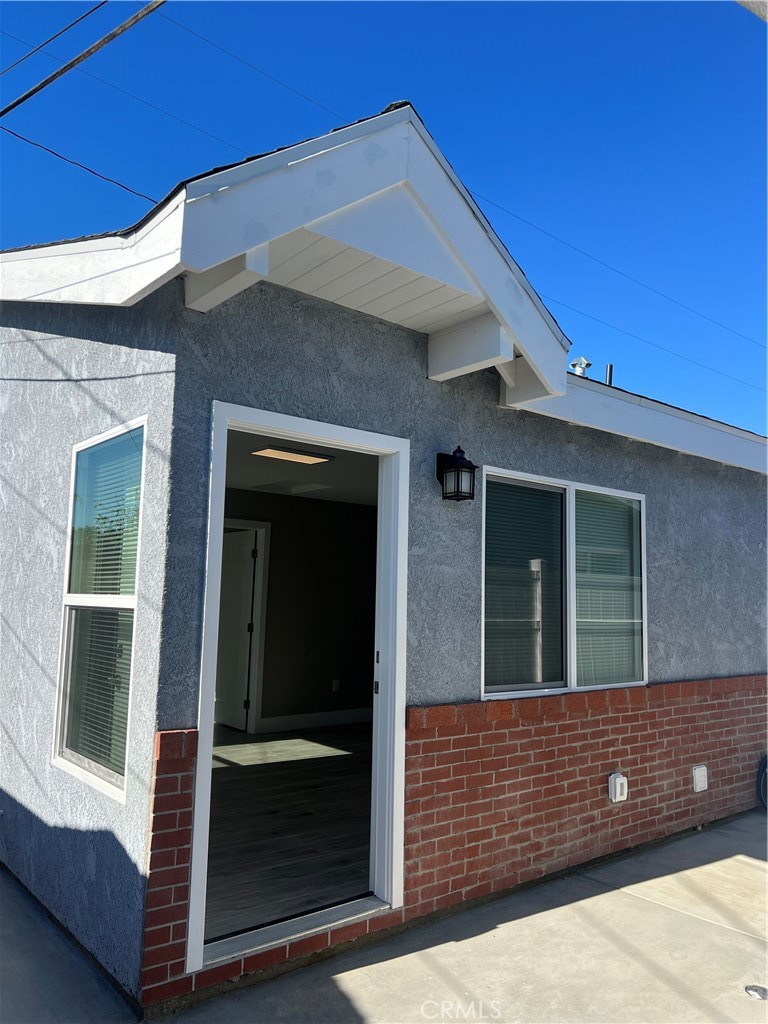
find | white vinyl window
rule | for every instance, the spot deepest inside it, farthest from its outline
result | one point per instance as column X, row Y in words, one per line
column 563, row 588
column 100, row 603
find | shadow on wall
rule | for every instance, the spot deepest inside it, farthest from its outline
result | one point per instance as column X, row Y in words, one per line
column 87, row 883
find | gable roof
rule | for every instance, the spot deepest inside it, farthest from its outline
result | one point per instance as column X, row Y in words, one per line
column 370, row 216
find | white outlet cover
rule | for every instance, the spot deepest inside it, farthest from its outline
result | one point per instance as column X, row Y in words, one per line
column 700, row 780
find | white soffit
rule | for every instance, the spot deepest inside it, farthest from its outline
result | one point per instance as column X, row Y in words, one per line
column 588, row 403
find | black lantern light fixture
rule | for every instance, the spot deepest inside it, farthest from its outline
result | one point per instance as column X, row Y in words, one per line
column 456, row 475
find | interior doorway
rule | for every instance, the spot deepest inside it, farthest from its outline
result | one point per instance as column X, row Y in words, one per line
column 290, row 819
column 244, row 575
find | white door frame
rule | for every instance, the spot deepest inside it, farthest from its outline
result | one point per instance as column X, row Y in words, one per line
column 388, row 785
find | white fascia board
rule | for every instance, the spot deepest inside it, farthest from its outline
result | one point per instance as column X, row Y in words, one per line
column 271, row 203
column 520, row 277
column 212, row 183
column 470, row 346
column 452, row 217
column 590, row 404
column 112, row 271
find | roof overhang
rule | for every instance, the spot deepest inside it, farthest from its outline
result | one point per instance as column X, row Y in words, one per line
column 370, row 216
column 373, row 218
column 588, row 403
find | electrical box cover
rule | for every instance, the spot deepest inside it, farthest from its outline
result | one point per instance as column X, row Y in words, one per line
column 700, row 781
column 618, row 787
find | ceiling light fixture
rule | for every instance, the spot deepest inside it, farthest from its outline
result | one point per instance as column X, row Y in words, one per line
column 293, row 455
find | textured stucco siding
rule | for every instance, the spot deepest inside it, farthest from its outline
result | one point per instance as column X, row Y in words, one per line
column 82, row 853
column 274, row 349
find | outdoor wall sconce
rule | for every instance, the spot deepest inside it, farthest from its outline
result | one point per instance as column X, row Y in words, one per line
column 456, row 475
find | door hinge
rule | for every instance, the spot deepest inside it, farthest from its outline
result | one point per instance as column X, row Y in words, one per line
column 246, row 705
column 250, row 627
column 376, row 686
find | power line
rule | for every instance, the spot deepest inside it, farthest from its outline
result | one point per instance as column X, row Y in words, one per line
column 56, row 35
column 477, row 195
column 655, row 344
column 76, row 163
column 189, row 124
column 253, row 67
column 549, row 298
column 133, row 96
column 129, row 23
column 615, row 270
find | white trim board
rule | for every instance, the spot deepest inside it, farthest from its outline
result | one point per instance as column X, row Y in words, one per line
column 388, row 788
column 588, row 403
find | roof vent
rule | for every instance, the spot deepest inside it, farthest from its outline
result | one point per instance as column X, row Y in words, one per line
column 580, row 366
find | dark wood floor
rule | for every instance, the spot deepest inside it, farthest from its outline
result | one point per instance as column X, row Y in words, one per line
column 290, row 824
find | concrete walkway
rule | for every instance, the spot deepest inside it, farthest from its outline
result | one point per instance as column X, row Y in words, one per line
column 673, row 933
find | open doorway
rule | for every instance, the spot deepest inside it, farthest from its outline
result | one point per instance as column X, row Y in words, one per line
column 291, row 776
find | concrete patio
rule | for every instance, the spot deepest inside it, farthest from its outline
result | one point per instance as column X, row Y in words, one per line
column 675, row 932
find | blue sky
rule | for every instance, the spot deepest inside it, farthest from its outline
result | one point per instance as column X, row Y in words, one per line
column 633, row 131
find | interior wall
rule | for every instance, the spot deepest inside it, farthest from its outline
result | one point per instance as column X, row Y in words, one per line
column 320, row 601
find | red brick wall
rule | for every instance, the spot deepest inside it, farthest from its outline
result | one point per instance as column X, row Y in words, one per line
column 503, row 792
column 497, row 794
column 165, row 921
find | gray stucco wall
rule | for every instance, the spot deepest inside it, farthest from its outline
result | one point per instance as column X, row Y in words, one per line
column 278, row 350
column 83, row 854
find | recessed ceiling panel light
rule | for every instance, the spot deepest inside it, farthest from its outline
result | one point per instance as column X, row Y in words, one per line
column 293, row 455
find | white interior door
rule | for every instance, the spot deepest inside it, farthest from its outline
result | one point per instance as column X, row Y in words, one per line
column 235, row 628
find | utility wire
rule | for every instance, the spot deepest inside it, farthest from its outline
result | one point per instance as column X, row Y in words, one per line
column 133, row 96
column 56, row 35
column 670, row 351
column 75, row 163
column 253, row 67
column 615, row 270
column 549, row 298
column 156, row 3
column 477, row 195
column 129, row 23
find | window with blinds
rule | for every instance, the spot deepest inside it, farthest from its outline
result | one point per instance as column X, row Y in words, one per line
column 563, row 604
column 523, row 587
column 100, row 603
column 609, row 619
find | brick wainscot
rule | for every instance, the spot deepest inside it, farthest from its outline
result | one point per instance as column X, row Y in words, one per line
column 498, row 793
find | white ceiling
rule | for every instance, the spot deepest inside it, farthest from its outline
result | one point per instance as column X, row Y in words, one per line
column 350, row 477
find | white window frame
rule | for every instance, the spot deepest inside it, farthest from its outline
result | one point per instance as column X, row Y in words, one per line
column 70, row 761
column 568, row 488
